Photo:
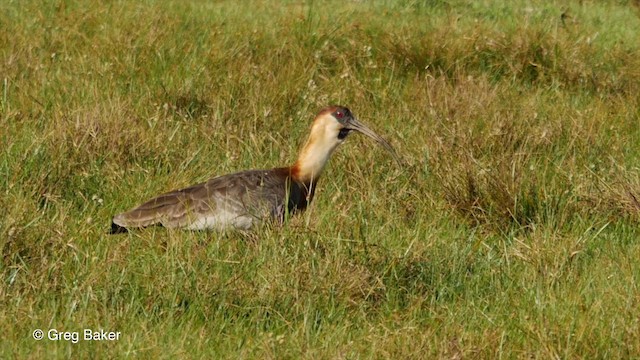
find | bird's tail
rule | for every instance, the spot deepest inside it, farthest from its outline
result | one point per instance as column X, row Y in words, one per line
column 117, row 229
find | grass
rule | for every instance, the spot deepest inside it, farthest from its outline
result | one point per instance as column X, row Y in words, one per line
column 510, row 233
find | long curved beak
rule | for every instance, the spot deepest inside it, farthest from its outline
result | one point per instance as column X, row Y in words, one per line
column 356, row 125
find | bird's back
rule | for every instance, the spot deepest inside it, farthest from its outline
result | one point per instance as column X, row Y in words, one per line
column 236, row 200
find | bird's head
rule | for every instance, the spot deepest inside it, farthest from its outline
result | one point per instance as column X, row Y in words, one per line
column 330, row 127
column 334, row 123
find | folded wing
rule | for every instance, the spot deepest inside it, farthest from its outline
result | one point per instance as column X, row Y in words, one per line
column 238, row 200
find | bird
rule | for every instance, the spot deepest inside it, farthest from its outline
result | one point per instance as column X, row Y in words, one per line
column 243, row 199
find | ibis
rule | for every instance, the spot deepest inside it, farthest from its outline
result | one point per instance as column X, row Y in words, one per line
column 243, row 199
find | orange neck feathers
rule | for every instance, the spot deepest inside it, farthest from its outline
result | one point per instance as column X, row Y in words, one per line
column 315, row 153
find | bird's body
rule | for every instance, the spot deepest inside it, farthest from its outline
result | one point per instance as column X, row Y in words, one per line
column 238, row 200
column 242, row 199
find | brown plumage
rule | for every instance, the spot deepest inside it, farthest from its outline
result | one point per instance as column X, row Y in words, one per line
column 245, row 198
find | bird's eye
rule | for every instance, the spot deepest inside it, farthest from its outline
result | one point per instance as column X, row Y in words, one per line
column 339, row 114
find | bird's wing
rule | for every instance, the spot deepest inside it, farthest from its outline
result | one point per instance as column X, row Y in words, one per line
column 219, row 202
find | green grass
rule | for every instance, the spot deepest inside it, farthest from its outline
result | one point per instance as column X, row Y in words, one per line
column 512, row 231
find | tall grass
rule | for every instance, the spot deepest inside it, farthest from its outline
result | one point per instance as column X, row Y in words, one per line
column 510, row 232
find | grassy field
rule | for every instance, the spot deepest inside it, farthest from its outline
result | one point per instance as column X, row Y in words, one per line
column 511, row 232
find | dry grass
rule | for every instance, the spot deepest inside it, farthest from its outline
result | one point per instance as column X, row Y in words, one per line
column 511, row 231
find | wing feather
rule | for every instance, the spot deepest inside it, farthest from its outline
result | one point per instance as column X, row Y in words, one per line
column 255, row 194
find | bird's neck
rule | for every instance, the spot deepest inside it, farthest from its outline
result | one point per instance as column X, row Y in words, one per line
column 312, row 159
